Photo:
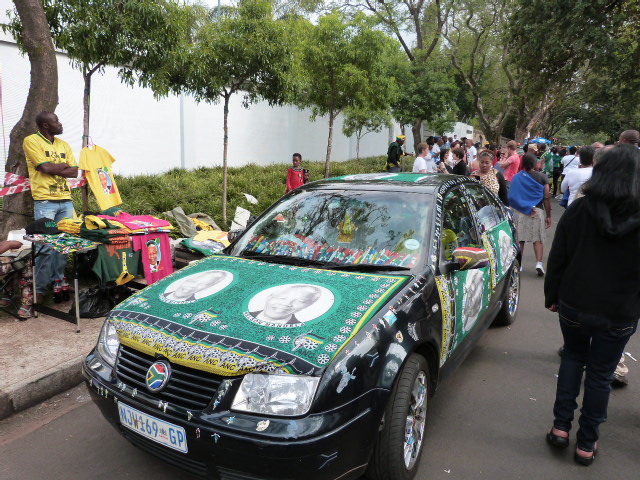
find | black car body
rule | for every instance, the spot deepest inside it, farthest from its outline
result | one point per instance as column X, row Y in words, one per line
column 324, row 407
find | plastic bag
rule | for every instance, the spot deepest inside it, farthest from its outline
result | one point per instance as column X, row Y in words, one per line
column 99, row 301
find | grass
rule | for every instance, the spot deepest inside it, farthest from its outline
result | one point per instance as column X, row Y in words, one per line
column 200, row 190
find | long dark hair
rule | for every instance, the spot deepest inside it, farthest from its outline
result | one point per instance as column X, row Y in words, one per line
column 616, row 180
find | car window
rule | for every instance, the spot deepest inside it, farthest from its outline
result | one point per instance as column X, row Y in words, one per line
column 489, row 213
column 346, row 226
column 458, row 229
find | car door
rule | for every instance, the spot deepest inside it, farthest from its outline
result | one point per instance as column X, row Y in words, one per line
column 495, row 229
column 464, row 294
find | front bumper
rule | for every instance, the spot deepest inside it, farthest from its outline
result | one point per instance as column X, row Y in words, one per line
column 227, row 445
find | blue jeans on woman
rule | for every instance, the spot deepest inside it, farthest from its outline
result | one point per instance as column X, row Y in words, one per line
column 593, row 344
column 49, row 263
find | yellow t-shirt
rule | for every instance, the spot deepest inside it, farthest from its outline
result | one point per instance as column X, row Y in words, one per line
column 97, row 162
column 39, row 150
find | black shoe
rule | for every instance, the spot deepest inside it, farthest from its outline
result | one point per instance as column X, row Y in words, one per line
column 557, row 440
column 586, row 461
column 619, row 381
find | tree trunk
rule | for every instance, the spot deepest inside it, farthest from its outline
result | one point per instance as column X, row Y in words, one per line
column 227, row 96
column 42, row 96
column 521, row 122
column 86, row 98
column 332, row 117
column 521, row 133
column 358, row 137
column 417, row 134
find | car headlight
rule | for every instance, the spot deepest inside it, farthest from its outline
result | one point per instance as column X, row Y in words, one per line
column 275, row 394
column 108, row 343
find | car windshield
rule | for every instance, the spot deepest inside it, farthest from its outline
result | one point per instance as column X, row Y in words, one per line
column 342, row 228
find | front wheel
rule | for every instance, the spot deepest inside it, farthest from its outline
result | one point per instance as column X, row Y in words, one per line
column 397, row 450
column 507, row 314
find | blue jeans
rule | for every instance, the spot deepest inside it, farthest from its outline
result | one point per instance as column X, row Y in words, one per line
column 49, row 263
column 592, row 344
column 393, row 169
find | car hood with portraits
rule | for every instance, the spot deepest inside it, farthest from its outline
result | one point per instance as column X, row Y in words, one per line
column 231, row 316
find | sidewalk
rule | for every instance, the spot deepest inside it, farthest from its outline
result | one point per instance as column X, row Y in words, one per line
column 41, row 357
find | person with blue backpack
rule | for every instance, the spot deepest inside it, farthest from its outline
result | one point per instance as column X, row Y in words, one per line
column 528, row 194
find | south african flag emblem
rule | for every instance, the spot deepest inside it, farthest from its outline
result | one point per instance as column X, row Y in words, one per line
column 158, row 376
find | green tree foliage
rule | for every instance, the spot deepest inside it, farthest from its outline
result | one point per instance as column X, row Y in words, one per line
column 235, row 49
column 418, row 26
column 132, row 36
column 360, row 120
column 611, row 92
column 477, row 52
column 427, row 91
column 347, row 66
column 556, row 37
column 592, row 48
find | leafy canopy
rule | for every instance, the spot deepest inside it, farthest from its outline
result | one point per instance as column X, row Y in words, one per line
column 242, row 48
column 347, row 66
column 133, row 36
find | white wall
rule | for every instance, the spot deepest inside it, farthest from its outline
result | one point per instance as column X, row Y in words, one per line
column 144, row 134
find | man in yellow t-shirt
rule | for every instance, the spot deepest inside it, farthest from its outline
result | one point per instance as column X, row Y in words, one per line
column 51, row 162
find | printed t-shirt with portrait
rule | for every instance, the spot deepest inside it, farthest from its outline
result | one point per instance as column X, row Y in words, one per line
column 38, row 151
column 97, row 164
column 156, row 255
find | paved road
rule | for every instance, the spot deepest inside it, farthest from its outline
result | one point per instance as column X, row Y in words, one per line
column 487, row 422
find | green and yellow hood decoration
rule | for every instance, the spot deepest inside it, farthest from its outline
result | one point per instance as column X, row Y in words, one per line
column 231, row 316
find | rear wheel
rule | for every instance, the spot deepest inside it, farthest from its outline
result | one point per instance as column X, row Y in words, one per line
column 507, row 314
column 397, row 450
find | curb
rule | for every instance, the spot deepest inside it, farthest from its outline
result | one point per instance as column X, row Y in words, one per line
column 30, row 392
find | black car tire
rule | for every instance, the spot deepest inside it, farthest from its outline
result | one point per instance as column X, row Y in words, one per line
column 507, row 314
column 388, row 457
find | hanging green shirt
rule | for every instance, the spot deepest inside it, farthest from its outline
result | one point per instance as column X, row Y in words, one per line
column 109, row 266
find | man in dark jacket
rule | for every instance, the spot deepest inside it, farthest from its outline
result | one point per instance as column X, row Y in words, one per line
column 394, row 153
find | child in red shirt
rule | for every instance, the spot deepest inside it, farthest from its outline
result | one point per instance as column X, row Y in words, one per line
column 296, row 175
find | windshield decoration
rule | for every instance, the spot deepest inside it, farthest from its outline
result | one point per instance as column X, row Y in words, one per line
column 346, row 228
column 304, row 247
column 231, row 316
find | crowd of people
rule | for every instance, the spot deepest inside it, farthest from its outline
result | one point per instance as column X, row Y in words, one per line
column 599, row 184
column 539, row 171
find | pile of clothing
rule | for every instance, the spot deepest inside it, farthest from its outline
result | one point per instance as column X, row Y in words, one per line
column 111, row 230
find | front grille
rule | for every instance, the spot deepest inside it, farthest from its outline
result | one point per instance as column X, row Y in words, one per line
column 187, row 387
column 177, row 459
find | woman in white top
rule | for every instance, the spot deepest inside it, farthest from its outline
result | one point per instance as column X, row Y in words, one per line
column 571, row 161
column 574, row 180
column 424, row 163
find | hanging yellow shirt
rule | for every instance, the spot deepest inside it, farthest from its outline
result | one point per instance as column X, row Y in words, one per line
column 39, row 150
column 97, row 164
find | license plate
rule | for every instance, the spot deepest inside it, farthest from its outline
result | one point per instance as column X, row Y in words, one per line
column 164, row 433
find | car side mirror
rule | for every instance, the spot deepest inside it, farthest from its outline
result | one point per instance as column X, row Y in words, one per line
column 449, row 266
column 471, row 257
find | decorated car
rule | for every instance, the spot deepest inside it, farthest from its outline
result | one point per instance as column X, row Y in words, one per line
column 311, row 347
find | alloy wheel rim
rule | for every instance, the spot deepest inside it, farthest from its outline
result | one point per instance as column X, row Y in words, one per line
column 514, row 290
column 416, row 420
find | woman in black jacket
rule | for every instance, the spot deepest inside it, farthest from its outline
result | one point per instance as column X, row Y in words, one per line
column 593, row 281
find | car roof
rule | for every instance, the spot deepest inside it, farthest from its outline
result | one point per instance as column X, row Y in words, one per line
column 397, row 182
